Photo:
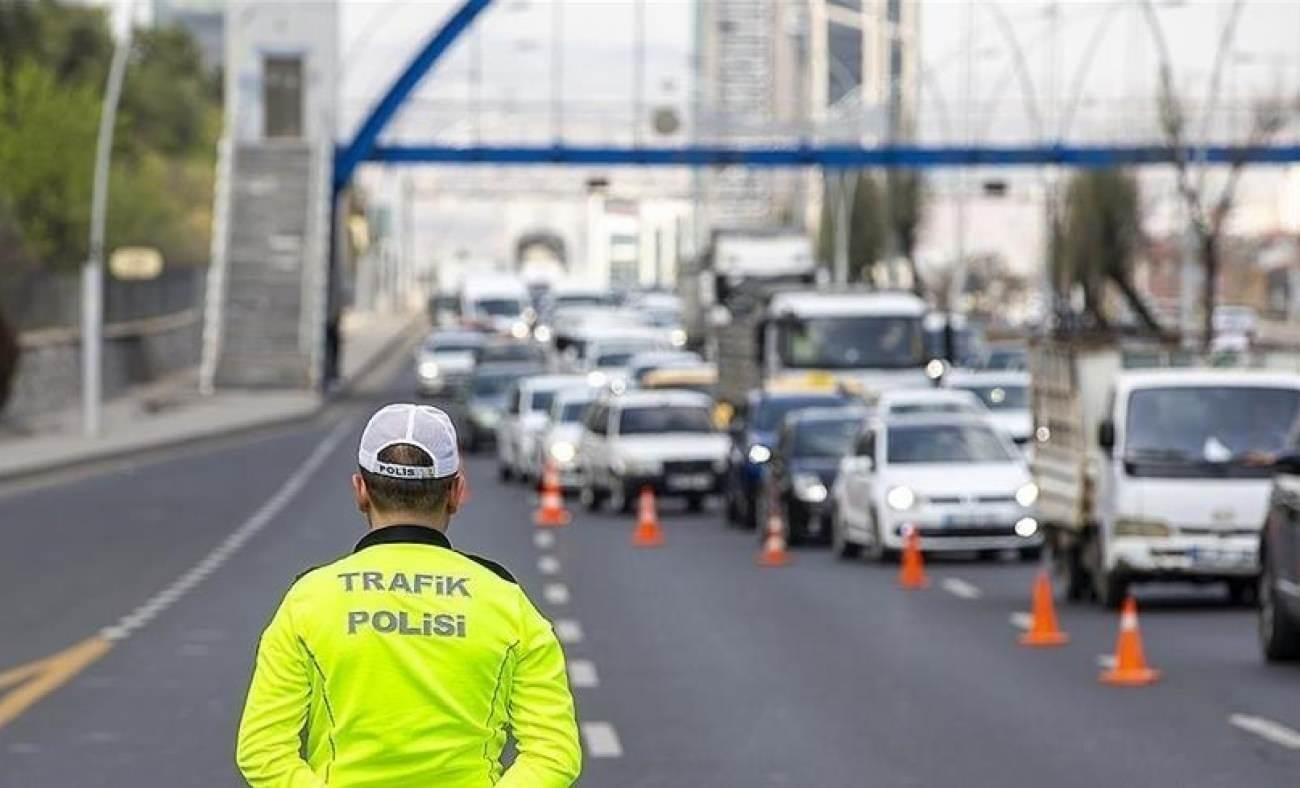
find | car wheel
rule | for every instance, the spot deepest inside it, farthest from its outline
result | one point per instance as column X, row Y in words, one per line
column 796, row 525
column 840, row 543
column 695, row 504
column 1030, row 554
column 1279, row 632
column 748, row 510
column 731, row 511
column 503, row 472
column 1242, row 592
column 1110, row 588
column 589, row 497
column 1069, row 579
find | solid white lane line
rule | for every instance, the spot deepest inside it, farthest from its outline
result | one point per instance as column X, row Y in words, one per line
column 548, row 565
column 556, row 593
column 544, row 540
column 602, row 740
column 568, row 631
column 582, row 674
column 1266, row 729
column 1022, row 620
column 960, row 588
column 263, row 517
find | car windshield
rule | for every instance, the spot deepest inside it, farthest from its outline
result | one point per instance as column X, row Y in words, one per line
column 1199, row 430
column 669, row 418
column 572, row 412
column 945, row 443
column 852, row 343
column 451, row 346
column 541, row 401
column 824, row 437
column 770, row 412
column 499, row 307
column 1001, row 397
column 662, row 318
column 493, row 384
column 615, row 359
column 1006, row 358
column 591, row 299
column 511, row 352
column 911, row 408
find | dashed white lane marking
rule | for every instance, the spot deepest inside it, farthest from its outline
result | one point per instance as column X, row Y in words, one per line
column 602, row 740
column 960, row 588
column 582, row 674
column 556, row 593
column 568, row 631
column 182, row 585
column 544, row 540
column 1266, row 729
column 1022, row 620
column 1106, row 661
column 548, row 565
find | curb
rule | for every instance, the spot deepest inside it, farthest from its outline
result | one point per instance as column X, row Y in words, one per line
column 102, row 456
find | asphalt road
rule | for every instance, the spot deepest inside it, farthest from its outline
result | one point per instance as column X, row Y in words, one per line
column 692, row 665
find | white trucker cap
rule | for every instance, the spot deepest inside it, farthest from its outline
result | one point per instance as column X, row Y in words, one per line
column 422, row 426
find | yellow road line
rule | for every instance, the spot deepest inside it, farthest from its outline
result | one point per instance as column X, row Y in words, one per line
column 35, row 680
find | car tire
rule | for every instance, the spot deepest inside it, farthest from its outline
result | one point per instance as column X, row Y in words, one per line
column 840, row 545
column 1069, row 578
column 695, row 504
column 1279, row 631
column 1030, row 554
column 1243, row 593
column 1110, row 589
column 503, row 472
column 731, row 512
column 796, row 526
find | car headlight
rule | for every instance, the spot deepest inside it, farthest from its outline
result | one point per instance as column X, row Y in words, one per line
column 900, row 499
column 429, row 369
column 597, row 379
column 542, row 334
column 1026, row 527
column 1027, row 495
column 637, row 467
column 563, row 452
column 809, row 487
column 759, row 454
column 1136, row 526
column 519, row 329
column 677, row 337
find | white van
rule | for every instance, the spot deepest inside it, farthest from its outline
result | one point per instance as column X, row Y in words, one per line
column 495, row 301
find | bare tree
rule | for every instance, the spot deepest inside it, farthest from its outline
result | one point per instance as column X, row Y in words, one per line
column 905, row 195
column 1208, row 212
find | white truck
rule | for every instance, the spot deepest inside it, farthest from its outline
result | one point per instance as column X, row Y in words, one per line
column 495, row 301
column 871, row 340
column 1155, row 474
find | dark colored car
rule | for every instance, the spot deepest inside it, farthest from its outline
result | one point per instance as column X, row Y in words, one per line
column 805, row 460
column 1279, row 557
column 753, row 431
column 483, row 400
column 504, row 351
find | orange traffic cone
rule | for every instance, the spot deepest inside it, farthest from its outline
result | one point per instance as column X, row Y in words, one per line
column 1044, row 631
column 550, row 510
column 773, row 552
column 1131, row 669
column 647, row 533
column 911, row 575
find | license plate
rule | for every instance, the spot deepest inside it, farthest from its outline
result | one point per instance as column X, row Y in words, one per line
column 964, row 521
column 692, row 481
column 1203, row 557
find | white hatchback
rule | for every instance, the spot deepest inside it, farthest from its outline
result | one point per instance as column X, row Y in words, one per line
column 955, row 479
column 525, row 418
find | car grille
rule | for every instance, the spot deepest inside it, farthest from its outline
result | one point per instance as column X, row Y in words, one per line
column 688, row 466
column 967, row 530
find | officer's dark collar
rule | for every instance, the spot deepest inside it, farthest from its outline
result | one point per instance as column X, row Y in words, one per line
column 403, row 534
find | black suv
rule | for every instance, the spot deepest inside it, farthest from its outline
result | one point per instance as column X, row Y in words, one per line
column 805, row 460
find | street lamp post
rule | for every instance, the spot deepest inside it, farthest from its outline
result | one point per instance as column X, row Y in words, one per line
column 92, row 273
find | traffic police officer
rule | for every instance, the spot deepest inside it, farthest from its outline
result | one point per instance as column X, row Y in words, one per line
column 404, row 663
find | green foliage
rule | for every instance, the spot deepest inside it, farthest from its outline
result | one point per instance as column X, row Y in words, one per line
column 1099, row 240
column 868, row 232
column 53, row 67
column 905, row 193
column 47, row 143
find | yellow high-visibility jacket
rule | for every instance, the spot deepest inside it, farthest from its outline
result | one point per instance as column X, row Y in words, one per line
column 403, row 664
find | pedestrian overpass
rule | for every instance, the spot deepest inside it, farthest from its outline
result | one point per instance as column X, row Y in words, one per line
column 278, row 236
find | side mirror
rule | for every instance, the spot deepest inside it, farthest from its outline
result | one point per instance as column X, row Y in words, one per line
column 1287, row 463
column 1106, row 436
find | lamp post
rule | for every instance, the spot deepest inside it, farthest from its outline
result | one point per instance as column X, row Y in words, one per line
column 92, row 273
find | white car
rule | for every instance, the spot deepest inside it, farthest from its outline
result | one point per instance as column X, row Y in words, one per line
column 608, row 355
column 1005, row 394
column 522, row 423
column 446, row 360
column 916, row 401
column 559, row 443
column 955, row 478
column 664, row 440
